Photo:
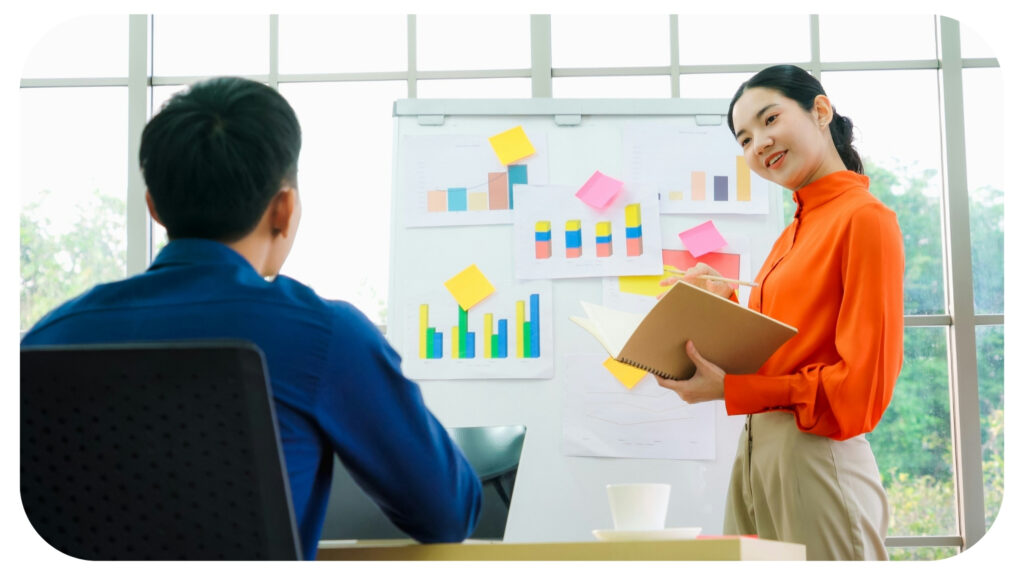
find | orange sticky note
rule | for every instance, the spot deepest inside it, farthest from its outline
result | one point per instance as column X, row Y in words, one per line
column 511, row 145
column 625, row 373
column 469, row 287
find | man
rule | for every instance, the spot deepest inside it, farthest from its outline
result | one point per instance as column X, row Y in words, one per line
column 220, row 163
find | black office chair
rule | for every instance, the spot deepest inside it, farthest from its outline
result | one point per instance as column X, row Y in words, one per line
column 154, row 451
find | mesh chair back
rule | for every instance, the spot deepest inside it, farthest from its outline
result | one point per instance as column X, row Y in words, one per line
column 154, row 451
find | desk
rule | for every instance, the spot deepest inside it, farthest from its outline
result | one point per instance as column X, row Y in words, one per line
column 713, row 549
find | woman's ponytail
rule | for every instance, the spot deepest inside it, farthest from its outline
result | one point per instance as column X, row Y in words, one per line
column 842, row 135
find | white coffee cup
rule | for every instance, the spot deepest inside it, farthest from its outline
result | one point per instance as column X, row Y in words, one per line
column 638, row 506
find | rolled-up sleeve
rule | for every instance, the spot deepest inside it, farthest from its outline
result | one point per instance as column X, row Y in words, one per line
column 393, row 446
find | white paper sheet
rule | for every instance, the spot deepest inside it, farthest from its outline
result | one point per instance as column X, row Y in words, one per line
column 667, row 157
column 557, row 205
column 605, row 419
column 459, row 161
column 444, row 316
column 614, row 296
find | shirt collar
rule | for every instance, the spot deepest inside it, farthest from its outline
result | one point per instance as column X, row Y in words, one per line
column 827, row 188
column 191, row 251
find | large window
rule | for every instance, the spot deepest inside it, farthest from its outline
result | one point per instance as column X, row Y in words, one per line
column 924, row 94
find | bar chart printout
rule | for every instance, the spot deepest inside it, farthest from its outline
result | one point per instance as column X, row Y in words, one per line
column 558, row 236
column 506, row 336
column 697, row 169
column 638, row 294
column 496, row 193
column 457, row 180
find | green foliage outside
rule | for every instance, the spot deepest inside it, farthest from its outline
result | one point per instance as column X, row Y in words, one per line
column 55, row 268
column 912, row 443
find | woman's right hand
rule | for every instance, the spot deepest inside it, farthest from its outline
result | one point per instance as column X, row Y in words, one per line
column 692, row 277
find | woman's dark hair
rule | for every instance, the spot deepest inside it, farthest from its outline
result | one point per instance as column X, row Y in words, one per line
column 800, row 86
column 216, row 154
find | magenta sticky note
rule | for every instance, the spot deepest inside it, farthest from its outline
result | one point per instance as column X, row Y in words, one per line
column 599, row 190
column 702, row 239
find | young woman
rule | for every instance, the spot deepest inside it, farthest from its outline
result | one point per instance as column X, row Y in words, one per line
column 804, row 472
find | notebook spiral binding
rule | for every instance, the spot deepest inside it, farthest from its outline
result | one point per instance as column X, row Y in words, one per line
column 657, row 372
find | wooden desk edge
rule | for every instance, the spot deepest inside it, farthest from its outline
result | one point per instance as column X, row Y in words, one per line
column 726, row 549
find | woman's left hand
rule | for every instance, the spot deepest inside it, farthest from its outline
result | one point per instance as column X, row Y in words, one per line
column 707, row 383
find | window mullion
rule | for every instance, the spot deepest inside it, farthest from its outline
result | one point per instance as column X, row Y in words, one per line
column 137, row 216
column 963, row 361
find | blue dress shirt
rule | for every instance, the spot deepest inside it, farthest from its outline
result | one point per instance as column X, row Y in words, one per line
column 337, row 383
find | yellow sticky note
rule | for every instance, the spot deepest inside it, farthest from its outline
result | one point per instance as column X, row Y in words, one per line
column 469, row 287
column 626, row 374
column 643, row 285
column 511, row 145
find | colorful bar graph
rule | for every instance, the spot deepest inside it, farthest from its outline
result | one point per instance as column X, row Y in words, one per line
column 495, row 341
column 498, row 194
column 698, row 186
column 721, row 188
column 542, row 239
column 516, row 175
column 634, row 231
column 742, row 179
column 603, row 237
column 573, row 239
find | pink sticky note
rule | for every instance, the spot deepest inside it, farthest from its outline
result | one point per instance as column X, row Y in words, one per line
column 599, row 190
column 702, row 239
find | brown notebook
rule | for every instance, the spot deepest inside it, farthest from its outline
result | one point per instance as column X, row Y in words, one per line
column 737, row 339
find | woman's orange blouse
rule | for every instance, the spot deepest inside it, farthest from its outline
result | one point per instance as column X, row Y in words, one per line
column 836, row 274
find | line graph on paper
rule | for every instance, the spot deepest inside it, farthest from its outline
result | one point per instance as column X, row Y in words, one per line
column 605, row 419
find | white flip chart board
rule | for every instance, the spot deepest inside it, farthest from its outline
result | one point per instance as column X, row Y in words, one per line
column 448, row 214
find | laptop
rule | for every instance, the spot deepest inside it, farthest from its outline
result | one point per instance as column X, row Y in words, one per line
column 493, row 451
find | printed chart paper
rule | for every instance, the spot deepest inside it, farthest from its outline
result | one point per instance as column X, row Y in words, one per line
column 605, row 419
column 458, row 180
column 638, row 294
column 558, row 236
column 696, row 169
column 507, row 335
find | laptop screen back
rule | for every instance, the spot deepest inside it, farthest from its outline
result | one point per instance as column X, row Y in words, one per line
column 494, row 453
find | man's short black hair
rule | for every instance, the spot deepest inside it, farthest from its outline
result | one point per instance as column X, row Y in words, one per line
column 216, row 154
